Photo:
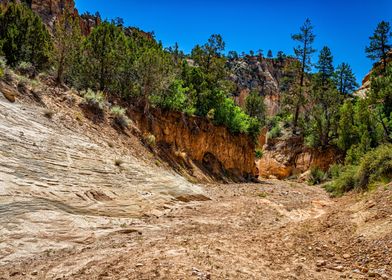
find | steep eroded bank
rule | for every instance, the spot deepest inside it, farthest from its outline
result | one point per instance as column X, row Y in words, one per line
column 196, row 141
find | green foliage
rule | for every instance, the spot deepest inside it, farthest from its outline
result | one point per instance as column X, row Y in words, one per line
column 381, row 101
column 346, row 181
column 317, row 176
column 150, row 140
column 374, row 167
column 345, row 79
column 275, row 131
column 3, row 66
column 325, row 64
column 95, row 100
column 67, row 41
column 120, row 117
column 334, row 171
column 255, row 107
column 379, row 43
column 258, row 153
column 323, row 117
column 24, row 37
column 103, row 53
column 154, row 75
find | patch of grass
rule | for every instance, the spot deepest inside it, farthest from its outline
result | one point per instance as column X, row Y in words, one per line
column 94, row 100
column 26, row 69
column 150, row 140
column 317, row 176
column 120, row 117
column 258, row 153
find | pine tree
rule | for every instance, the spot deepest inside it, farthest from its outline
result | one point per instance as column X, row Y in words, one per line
column 345, row 79
column 379, row 43
column 255, row 107
column 24, row 37
column 269, row 54
column 104, row 51
column 325, row 64
column 303, row 53
column 67, row 43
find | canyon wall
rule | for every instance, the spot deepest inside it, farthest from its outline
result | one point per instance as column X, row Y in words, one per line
column 199, row 143
column 283, row 158
column 263, row 75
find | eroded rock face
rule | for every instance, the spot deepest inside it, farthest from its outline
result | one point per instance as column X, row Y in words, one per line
column 285, row 157
column 260, row 74
column 366, row 82
column 196, row 139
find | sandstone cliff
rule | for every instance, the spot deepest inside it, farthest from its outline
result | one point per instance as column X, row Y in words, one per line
column 284, row 157
column 363, row 90
column 260, row 74
column 197, row 144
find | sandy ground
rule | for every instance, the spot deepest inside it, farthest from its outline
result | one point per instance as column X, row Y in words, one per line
column 67, row 211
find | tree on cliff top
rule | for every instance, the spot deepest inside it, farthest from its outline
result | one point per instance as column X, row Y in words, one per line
column 379, row 44
column 303, row 52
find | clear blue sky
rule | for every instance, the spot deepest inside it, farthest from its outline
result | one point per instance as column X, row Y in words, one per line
column 343, row 25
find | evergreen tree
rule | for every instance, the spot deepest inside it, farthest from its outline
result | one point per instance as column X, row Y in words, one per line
column 345, row 79
column 24, row 37
column 232, row 55
column 153, row 75
column 303, row 53
column 381, row 101
column 347, row 131
column 325, row 64
column 269, row 54
column 67, row 39
column 379, row 43
column 104, row 51
column 255, row 107
column 323, row 114
column 260, row 53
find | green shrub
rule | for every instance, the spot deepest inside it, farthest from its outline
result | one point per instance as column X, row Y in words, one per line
column 3, row 65
column 150, row 140
column 95, row 100
column 334, row 171
column 119, row 116
column 275, row 132
column 258, row 153
column 375, row 166
column 317, row 176
column 26, row 69
column 346, row 181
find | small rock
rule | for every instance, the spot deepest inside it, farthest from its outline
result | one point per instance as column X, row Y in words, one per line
column 339, row 268
column 34, row 273
column 139, row 265
column 346, row 256
column 320, row 263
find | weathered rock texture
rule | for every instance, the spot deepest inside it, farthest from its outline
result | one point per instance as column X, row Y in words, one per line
column 363, row 90
column 260, row 74
column 198, row 142
column 285, row 157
